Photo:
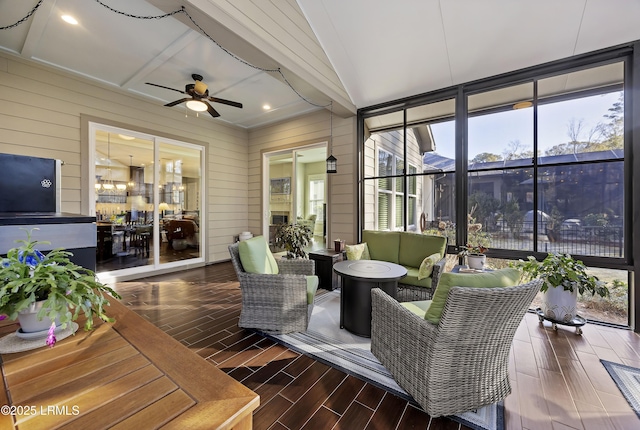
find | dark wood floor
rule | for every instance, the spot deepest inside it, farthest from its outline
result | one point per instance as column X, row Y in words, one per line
column 557, row 378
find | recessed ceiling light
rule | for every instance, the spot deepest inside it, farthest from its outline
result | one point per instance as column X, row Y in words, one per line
column 266, row 107
column 69, row 19
column 522, row 105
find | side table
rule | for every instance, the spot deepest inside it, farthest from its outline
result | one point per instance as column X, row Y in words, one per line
column 325, row 259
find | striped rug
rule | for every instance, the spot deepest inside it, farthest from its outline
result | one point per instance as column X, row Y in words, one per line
column 338, row 348
column 627, row 379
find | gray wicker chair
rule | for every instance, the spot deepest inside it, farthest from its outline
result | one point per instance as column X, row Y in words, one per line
column 460, row 364
column 274, row 303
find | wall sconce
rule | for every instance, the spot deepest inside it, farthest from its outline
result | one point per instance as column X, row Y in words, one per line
column 332, row 164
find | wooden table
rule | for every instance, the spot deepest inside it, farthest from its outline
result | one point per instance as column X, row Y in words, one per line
column 129, row 375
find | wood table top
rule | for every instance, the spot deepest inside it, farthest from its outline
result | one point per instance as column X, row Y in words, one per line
column 126, row 375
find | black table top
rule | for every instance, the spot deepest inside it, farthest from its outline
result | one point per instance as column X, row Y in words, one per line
column 370, row 269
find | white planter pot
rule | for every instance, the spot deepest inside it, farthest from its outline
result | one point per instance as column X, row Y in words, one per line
column 29, row 322
column 476, row 261
column 559, row 304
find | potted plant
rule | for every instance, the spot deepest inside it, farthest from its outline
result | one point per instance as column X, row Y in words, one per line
column 40, row 290
column 475, row 255
column 293, row 238
column 563, row 278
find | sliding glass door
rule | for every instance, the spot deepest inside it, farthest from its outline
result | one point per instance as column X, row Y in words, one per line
column 148, row 199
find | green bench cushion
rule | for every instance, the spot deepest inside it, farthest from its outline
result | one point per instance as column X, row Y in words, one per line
column 412, row 278
column 414, row 247
column 383, row 245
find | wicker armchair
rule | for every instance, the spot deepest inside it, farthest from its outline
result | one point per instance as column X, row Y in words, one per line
column 460, row 364
column 275, row 303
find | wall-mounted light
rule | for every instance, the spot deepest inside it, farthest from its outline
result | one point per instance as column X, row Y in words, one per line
column 332, row 164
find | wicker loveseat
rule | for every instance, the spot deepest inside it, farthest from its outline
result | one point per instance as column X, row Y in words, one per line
column 409, row 250
column 461, row 362
column 277, row 296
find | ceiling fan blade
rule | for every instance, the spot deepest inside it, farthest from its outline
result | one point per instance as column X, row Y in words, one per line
column 214, row 113
column 226, row 102
column 166, row 88
column 177, row 102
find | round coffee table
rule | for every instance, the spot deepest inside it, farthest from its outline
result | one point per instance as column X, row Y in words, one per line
column 358, row 278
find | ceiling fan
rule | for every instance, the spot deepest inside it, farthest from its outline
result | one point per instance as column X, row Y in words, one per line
column 199, row 96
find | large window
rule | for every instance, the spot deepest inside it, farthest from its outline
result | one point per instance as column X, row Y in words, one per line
column 528, row 167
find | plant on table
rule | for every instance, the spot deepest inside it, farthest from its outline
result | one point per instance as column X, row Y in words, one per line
column 65, row 288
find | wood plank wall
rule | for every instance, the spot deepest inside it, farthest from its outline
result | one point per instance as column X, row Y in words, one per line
column 305, row 130
column 40, row 114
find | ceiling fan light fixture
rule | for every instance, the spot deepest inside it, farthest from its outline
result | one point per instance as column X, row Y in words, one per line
column 196, row 105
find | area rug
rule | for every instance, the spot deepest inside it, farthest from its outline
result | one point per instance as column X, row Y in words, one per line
column 327, row 343
column 627, row 379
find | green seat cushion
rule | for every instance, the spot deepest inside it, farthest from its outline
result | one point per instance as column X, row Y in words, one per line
column 414, row 247
column 256, row 257
column 426, row 267
column 507, row 277
column 419, row 308
column 412, row 278
column 357, row 252
column 312, row 287
column 383, row 245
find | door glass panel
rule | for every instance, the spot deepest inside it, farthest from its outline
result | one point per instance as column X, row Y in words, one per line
column 179, row 202
column 124, row 201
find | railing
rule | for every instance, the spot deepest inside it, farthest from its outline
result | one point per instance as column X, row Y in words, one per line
column 601, row 241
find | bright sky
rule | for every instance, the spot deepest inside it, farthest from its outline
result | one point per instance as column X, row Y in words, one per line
column 493, row 133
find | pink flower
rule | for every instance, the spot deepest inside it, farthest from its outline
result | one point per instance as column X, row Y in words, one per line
column 3, row 317
column 51, row 338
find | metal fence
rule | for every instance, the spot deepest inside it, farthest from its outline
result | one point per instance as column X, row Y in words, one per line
column 602, row 241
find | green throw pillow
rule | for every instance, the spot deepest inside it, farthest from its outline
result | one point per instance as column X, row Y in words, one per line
column 357, row 252
column 498, row 278
column 256, row 257
column 426, row 267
